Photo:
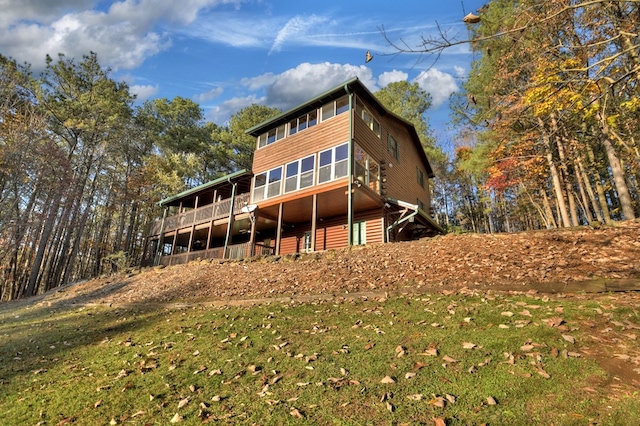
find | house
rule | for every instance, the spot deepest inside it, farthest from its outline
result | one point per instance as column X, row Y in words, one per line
column 336, row 171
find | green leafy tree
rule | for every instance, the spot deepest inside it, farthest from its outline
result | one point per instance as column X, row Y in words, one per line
column 233, row 144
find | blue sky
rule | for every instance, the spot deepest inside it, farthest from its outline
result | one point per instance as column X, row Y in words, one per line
column 228, row 54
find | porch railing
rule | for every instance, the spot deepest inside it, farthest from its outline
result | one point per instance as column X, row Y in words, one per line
column 235, row 251
column 217, row 210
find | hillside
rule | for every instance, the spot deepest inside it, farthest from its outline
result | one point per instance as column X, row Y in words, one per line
column 582, row 259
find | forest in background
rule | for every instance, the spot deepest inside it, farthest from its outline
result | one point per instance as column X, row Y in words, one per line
column 547, row 126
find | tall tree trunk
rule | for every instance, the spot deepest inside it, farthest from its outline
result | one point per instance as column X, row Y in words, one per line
column 42, row 245
column 547, row 207
column 602, row 198
column 618, row 177
column 589, row 189
column 555, row 177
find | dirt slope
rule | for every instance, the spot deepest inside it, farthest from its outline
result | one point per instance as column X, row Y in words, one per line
column 558, row 259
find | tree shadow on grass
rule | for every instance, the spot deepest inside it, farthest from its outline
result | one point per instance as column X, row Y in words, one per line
column 36, row 338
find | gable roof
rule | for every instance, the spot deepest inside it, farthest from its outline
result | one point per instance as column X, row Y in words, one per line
column 353, row 85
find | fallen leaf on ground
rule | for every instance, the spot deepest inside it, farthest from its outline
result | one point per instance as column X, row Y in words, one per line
column 438, row 401
column 183, row 402
column 387, row 380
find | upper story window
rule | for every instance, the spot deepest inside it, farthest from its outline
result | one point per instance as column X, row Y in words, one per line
column 332, row 163
column 271, row 136
column 267, row 184
column 299, row 174
column 420, row 176
column 303, row 122
column 367, row 169
column 393, row 147
column 371, row 121
column 335, row 107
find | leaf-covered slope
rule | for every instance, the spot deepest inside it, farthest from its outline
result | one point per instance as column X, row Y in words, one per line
column 520, row 261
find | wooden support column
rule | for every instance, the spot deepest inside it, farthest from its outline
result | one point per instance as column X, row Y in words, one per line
column 173, row 246
column 279, row 230
column 314, row 220
column 252, row 236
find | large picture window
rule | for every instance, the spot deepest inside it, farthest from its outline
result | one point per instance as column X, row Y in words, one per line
column 299, row 174
column 267, row 184
column 333, row 163
column 367, row 169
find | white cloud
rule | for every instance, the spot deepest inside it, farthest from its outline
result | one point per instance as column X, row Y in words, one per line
column 461, row 72
column 123, row 36
column 257, row 83
column 439, row 84
column 292, row 87
column 221, row 113
column 209, row 95
column 143, row 92
column 305, row 81
column 296, row 28
column 391, row 77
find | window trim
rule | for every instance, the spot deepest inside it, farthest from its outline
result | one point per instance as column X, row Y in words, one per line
column 333, row 164
column 368, row 164
column 393, row 147
column 335, row 110
column 279, row 133
column 268, row 184
column 299, row 173
column 420, row 176
column 371, row 121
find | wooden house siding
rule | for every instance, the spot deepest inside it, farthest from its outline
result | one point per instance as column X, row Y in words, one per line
column 402, row 176
column 325, row 134
column 333, row 234
column 402, row 180
column 374, row 226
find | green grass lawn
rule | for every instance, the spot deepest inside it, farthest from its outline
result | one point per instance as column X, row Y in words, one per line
column 454, row 360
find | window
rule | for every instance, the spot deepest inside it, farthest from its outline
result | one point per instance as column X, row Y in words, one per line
column 271, row 136
column 333, row 163
column 335, row 107
column 371, row 121
column 273, row 186
column 299, row 174
column 303, row 122
column 421, row 205
column 267, row 184
column 359, row 235
column 420, row 176
column 393, row 147
column 367, row 169
column 259, row 183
